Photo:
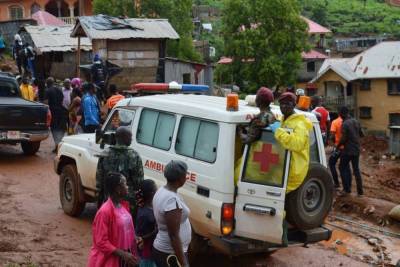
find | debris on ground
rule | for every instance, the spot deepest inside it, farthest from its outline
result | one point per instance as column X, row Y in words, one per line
column 394, row 213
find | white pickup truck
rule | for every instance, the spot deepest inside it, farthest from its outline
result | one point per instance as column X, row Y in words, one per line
column 237, row 217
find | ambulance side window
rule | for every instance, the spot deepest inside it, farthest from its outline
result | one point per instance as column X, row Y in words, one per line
column 120, row 117
column 265, row 162
column 156, row 129
column 197, row 139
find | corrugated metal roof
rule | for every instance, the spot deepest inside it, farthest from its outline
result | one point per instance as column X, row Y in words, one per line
column 379, row 61
column 314, row 27
column 55, row 38
column 45, row 18
column 313, row 54
column 105, row 27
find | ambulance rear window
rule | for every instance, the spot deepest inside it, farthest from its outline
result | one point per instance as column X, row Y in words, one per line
column 197, row 139
column 265, row 162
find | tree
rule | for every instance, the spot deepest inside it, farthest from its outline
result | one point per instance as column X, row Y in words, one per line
column 178, row 12
column 265, row 40
column 114, row 8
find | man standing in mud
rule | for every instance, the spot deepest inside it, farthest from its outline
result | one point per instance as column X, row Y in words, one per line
column 350, row 141
column 123, row 159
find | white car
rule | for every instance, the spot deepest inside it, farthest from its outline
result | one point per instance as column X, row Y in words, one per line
column 237, row 218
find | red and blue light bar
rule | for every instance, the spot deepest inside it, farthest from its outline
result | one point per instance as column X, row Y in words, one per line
column 160, row 87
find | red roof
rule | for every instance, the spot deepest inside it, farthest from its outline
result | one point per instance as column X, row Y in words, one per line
column 45, row 18
column 314, row 27
column 312, row 54
column 225, row 60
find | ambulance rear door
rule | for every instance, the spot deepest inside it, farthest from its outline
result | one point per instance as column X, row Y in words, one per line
column 260, row 201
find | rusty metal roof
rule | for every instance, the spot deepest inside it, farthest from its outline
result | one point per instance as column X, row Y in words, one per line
column 106, row 27
column 55, row 38
column 378, row 62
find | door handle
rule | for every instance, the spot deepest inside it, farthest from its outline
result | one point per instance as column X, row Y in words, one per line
column 259, row 209
column 274, row 194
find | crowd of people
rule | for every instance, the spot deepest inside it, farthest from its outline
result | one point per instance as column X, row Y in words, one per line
column 343, row 135
column 136, row 224
column 163, row 231
column 74, row 105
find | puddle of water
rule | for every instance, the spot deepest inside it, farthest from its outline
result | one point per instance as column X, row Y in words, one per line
column 352, row 245
column 339, row 241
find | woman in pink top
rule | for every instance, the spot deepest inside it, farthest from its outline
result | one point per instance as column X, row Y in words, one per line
column 114, row 242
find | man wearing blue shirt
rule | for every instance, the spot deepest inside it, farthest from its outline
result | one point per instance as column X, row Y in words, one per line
column 91, row 109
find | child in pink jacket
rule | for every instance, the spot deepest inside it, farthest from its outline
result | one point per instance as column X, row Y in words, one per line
column 114, row 241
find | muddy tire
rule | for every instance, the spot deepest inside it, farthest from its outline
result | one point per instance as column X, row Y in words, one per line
column 308, row 206
column 30, row 148
column 71, row 196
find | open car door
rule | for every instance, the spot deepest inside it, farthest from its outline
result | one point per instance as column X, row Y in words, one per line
column 260, row 202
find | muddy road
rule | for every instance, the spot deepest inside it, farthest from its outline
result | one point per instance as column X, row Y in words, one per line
column 34, row 229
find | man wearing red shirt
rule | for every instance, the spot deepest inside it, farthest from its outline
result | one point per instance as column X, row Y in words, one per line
column 322, row 115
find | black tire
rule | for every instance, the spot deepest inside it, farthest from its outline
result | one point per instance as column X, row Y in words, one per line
column 308, row 206
column 30, row 148
column 71, row 196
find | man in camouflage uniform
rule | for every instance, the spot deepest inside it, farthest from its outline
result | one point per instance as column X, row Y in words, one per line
column 264, row 98
column 123, row 159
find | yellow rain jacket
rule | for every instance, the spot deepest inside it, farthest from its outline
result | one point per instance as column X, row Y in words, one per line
column 27, row 92
column 298, row 143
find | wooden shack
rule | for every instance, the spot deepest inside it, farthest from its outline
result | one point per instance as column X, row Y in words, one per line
column 135, row 45
column 56, row 50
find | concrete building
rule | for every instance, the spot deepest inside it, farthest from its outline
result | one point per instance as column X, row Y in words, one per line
column 24, row 9
column 135, row 45
column 369, row 84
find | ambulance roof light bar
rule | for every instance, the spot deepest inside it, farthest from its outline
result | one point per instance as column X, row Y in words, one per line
column 173, row 86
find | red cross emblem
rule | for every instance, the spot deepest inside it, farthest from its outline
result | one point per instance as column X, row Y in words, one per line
column 266, row 158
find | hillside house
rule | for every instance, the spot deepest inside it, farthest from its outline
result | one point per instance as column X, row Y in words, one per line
column 64, row 9
column 56, row 50
column 369, row 84
column 135, row 45
column 351, row 46
column 313, row 59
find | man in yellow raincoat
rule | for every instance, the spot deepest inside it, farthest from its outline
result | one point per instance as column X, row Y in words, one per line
column 296, row 141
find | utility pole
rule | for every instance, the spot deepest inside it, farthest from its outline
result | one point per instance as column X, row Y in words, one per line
column 81, row 7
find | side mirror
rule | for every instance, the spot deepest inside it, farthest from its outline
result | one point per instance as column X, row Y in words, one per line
column 99, row 136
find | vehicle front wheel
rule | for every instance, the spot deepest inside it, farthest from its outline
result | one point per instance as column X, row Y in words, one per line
column 70, row 186
column 308, row 205
column 30, row 148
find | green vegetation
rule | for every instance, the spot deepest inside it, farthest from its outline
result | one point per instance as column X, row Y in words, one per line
column 266, row 46
column 354, row 17
column 178, row 12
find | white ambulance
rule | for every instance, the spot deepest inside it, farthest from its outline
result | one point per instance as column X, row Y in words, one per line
column 237, row 217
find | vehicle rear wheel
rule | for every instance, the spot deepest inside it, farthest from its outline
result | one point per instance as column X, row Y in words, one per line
column 30, row 148
column 70, row 186
column 307, row 206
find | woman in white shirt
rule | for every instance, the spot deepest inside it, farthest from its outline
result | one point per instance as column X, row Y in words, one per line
column 172, row 217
